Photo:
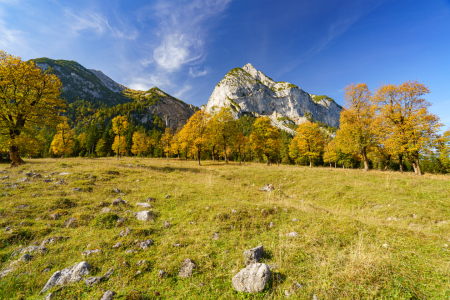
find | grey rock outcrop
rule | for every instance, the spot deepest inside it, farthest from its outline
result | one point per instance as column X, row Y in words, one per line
column 250, row 92
column 253, row 255
column 108, row 295
column 252, row 279
column 144, row 215
column 95, row 280
column 68, row 275
column 187, row 268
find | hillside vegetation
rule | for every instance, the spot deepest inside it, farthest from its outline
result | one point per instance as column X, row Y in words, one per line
column 361, row 235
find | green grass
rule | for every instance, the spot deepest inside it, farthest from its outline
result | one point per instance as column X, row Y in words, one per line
column 344, row 219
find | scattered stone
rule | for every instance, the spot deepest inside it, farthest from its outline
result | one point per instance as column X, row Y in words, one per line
column 117, row 190
column 47, row 180
column 24, row 179
column 89, row 252
column 161, row 274
column 30, row 249
column 234, row 211
column 144, row 205
column 187, row 268
column 264, row 212
column 77, row 189
column 141, row 262
column 287, row 293
column 53, row 173
column 385, row 245
column 95, row 280
column 55, row 216
column 105, row 210
column 231, row 227
column 70, row 274
column 166, row 224
column 51, row 240
column 118, row 201
column 47, row 269
column 64, row 174
column 267, row 188
column 8, row 228
column 60, row 182
column 295, row 220
column 108, row 295
column 177, row 245
column 4, row 178
column 150, row 199
column 144, row 215
column 118, row 245
column 191, row 222
column 120, row 220
column 253, row 255
column 49, row 296
column 125, row 232
column 130, row 251
column 71, row 222
column 271, row 224
column 138, row 272
column 22, row 206
column 207, row 208
column 392, row 219
column 6, row 271
column 215, row 236
column 145, row 244
column 167, row 196
column 292, row 234
column 26, row 257
column 252, row 279
column 113, row 173
column 315, row 297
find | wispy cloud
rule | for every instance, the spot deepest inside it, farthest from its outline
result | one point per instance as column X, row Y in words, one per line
column 182, row 91
column 196, row 72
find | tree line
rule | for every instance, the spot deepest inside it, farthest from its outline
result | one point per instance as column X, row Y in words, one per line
column 389, row 128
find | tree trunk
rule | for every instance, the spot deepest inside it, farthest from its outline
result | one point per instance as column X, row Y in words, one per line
column 268, row 161
column 310, row 162
column 366, row 163
column 330, row 164
column 387, row 163
column 15, row 157
column 198, row 157
column 225, row 155
column 213, row 152
column 335, row 165
column 418, row 168
column 400, row 161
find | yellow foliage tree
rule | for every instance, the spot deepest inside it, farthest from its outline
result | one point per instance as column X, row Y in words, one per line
column 120, row 126
column 357, row 133
column 29, row 98
column 100, row 149
column 166, row 141
column 330, row 153
column 119, row 145
column 82, row 137
column 194, row 133
column 413, row 128
column 63, row 141
column 241, row 146
column 223, row 130
column 265, row 139
column 141, row 143
column 309, row 141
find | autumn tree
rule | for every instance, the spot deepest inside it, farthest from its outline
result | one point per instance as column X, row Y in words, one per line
column 309, row 141
column 444, row 150
column 29, row 98
column 100, row 149
column 63, row 141
column 194, row 133
column 224, row 130
column 166, row 141
column 265, row 139
column 414, row 128
column 330, row 153
column 241, row 146
column 120, row 126
column 357, row 132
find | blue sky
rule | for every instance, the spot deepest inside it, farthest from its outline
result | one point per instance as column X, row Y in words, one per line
column 185, row 47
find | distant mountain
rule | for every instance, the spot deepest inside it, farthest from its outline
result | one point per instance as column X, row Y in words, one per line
column 94, row 87
column 250, row 92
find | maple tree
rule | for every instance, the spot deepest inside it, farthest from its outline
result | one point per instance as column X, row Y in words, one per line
column 265, row 139
column 357, row 131
column 100, row 149
column 166, row 141
column 194, row 133
column 29, row 98
column 413, row 128
column 444, row 147
column 63, row 141
column 309, row 141
column 120, row 126
column 223, row 131
column 241, row 146
column 330, row 153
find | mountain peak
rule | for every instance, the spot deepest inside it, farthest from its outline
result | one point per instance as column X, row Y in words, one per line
column 258, row 75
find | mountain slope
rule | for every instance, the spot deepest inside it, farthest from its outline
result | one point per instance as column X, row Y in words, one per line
column 110, row 98
column 249, row 91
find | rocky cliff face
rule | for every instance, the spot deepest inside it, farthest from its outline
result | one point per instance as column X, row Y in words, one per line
column 94, row 86
column 249, row 91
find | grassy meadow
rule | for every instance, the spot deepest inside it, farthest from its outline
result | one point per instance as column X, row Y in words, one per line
column 361, row 235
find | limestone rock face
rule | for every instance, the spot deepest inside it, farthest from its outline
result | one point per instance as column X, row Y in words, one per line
column 250, row 92
column 252, row 279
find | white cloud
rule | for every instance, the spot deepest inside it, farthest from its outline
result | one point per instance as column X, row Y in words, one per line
column 182, row 91
column 176, row 50
column 195, row 72
column 12, row 41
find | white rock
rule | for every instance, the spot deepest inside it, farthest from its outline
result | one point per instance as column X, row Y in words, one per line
column 144, row 205
column 67, row 275
column 144, row 215
column 252, row 279
column 292, row 234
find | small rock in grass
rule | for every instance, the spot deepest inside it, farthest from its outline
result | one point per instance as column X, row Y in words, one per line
column 144, row 205
column 71, row 222
column 108, row 295
column 89, row 252
column 272, row 267
column 267, row 188
column 24, row 179
column 252, row 279
column 22, row 206
column 187, row 268
column 215, row 236
column 26, row 257
column 77, row 189
column 49, row 296
column 117, row 190
column 315, row 297
column 120, row 220
column 177, row 245
column 138, row 272
column 64, row 174
column 60, row 182
column 95, row 280
column 253, row 255
column 166, row 224
column 70, row 274
column 51, row 240
column 287, row 293
column 207, row 208
column 144, row 215
column 292, row 234
column 145, row 244
column 6, row 271
column 167, row 196
column 118, row 201
column 131, row 251
column 119, row 244
column 141, row 262
column 385, row 245
column 56, row 216
column 191, row 223
column 295, row 220
column 8, row 228
column 271, row 224
column 234, row 211
column 125, row 232
column 161, row 274
column 47, row 180
column 105, row 210
column 150, row 199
